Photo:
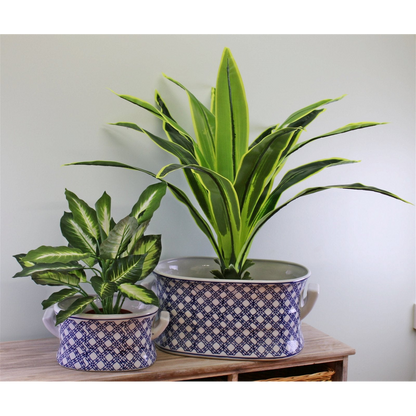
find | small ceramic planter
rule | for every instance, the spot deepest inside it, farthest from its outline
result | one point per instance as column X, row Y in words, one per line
column 95, row 342
column 233, row 319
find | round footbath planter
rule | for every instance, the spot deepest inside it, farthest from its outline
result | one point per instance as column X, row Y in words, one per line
column 233, row 319
column 99, row 342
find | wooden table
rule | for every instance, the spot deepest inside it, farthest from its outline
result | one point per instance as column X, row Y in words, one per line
column 35, row 360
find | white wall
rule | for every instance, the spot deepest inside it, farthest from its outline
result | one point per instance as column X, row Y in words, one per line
column 55, row 103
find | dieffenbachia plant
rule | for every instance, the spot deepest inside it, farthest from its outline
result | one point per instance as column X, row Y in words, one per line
column 117, row 255
column 234, row 181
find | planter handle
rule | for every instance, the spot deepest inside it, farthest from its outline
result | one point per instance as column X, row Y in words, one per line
column 310, row 299
column 49, row 320
column 161, row 324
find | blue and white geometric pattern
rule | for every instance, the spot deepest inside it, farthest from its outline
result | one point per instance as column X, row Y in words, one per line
column 106, row 345
column 231, row 320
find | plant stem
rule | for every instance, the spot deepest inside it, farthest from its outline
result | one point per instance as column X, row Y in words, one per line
column 122, row 302
column 117, row 306
column 85, row 294
column 107, row 305
column 95, row 307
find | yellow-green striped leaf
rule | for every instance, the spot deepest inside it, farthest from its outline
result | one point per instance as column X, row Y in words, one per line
column 344, row 129
column 149, row 202
column 119, row 238
column 151, row 247
column 103, row 210
column 297, row 175
column 297, row 115
column 309, row 191
column 145, row 105
column 76, row 307
column 58, row 296
column 101, row 288
column 76, row 237
column 204, row 126
column 43, row 267
column 224, row 206
column 84, row 215
column 139, row 293
column 127, row 270
column 258, row 167
column 175, row 149
column 55, row 278
column 231, row 118
column 48, row 254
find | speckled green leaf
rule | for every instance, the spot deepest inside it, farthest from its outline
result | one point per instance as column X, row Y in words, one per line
column 77, row 307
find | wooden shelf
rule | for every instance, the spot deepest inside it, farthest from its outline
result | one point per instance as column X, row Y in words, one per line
column 35, row 360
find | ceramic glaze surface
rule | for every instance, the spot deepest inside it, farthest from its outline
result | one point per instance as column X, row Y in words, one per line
column 102, row 342
column 106, row 345
column 263, row 271
column 257, row 319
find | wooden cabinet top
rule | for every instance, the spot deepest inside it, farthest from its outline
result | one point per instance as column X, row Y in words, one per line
column 35, row 360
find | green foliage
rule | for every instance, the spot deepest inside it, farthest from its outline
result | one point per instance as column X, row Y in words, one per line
column 118, row 255
column 232, row 181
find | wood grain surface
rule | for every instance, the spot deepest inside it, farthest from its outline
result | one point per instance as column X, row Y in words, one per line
column 35, row 360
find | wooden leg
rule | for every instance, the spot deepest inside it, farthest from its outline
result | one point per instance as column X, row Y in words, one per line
column 341, row 370
column 232, row 377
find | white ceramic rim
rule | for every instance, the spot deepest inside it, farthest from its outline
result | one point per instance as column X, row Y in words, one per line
column 148, row 310
column 232, row 281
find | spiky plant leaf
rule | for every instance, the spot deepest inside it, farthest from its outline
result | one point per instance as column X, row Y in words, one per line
column 237, row 204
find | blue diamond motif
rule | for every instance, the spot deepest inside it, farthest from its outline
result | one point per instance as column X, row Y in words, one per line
column 231, row 320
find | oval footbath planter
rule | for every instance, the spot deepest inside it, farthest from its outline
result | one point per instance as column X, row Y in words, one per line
column 233, row 319
column 97, row 342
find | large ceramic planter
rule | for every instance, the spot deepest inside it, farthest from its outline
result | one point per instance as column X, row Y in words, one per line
column 233, row 319
column 94, row 342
